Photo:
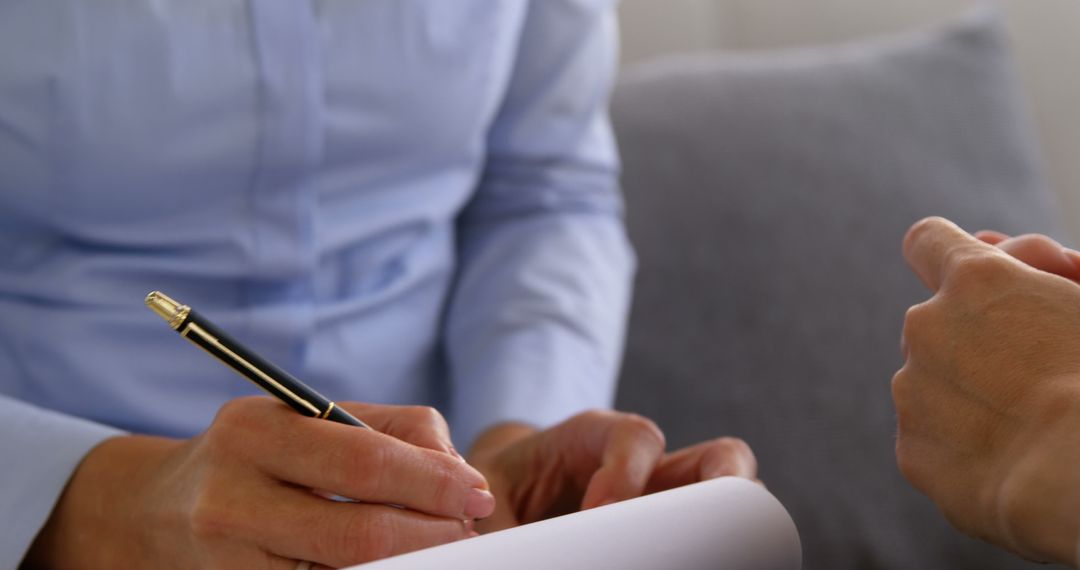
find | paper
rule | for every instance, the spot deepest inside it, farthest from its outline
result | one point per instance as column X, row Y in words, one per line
column 722, row 524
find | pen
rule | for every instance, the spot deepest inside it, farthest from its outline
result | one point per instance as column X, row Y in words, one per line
column 274, row 380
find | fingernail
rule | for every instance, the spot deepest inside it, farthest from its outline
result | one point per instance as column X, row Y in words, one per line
column 474, row 534
column 479, row 504
column 470, row 525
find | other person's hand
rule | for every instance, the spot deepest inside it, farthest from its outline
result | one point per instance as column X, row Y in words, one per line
column 590, row 460
column 240, row 494
column 988, row 401
column 1038, row 251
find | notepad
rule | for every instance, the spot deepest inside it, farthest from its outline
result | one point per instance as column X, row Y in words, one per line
column 722, row 524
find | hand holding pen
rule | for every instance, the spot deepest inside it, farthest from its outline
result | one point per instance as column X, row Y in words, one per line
column 238, row 495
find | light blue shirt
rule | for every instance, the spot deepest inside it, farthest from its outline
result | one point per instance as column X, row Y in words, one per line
column 399, row 201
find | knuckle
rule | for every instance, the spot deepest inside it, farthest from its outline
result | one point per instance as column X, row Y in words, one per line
column 366, row 463
column 737, row 446
column 899, row 388
column 907, row 460
column 907, row 404
column 240, row 414
column 972, row 269
column 916, row 317
column 910, row 463
column 236, row 412
column 904, row 460
column 445, row 492
column 235, row 420
column 214, row 441
column 217, row 443
column 921, row 322
column 428, row 416
column 643, row 428
column 367, row 536
column 209, row 520
column 358, row 465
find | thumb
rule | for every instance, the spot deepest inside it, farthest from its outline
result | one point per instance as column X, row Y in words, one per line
column 933, row 246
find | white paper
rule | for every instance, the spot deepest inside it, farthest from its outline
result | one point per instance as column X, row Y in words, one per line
column 723, row 524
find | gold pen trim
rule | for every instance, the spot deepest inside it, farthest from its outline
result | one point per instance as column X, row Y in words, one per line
column 173, row 312
column 192, row 327
column 326, row 414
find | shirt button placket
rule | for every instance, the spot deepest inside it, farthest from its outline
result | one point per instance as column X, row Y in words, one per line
column 287, row 52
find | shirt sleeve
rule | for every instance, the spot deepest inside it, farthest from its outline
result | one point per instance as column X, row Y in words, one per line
column 41, row 450
column 534, row 331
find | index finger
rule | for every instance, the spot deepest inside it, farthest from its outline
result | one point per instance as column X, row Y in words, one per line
column 933, row 245
column 632, row 446
column 722, row 457
column 362, row 464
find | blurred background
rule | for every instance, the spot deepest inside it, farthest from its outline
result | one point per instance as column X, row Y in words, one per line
column 1046, row 36
column 775, row 152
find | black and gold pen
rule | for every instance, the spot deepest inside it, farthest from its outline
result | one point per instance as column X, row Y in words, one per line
column 274, row 380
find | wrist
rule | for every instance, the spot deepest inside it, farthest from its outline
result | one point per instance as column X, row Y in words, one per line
column 1038, row 500
column 96, row 522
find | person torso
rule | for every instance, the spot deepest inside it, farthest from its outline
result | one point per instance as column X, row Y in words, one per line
column 291, row 169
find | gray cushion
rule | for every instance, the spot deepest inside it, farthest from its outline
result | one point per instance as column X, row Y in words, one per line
column 767, row 197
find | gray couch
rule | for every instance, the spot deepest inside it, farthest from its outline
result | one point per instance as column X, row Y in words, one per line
column 767, row 197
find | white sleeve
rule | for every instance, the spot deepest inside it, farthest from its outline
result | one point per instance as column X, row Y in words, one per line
column 41, row 450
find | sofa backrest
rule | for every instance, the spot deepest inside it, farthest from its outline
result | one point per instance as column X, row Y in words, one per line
column 1046, row 36
column 767, row 197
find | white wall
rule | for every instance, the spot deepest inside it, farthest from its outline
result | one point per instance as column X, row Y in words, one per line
column 1046, row 36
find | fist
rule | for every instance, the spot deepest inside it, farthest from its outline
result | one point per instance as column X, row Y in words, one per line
column 988, row 400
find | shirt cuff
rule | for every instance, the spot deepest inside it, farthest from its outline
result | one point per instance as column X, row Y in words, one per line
column 41, row 450
column 541, row 377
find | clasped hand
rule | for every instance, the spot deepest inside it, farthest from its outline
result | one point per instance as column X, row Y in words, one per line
column 988, row 401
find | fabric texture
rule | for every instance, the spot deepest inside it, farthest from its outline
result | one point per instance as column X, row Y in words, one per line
column 404, row 202
column 767, row 197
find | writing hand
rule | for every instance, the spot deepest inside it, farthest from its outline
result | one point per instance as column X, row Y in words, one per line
column 592, row 459
column 988, row 400
column 239, row 495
